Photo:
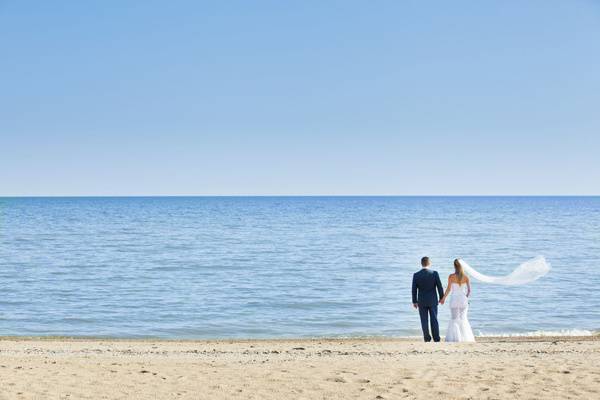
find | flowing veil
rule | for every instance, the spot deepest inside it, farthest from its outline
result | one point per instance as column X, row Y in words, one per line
column 527, row 272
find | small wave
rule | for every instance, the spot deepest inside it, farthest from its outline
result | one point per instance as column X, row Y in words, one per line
column 562, row 332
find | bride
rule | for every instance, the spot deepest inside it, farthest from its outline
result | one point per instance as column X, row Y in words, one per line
column 459, row 289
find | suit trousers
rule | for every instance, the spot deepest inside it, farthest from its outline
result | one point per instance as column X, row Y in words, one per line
column 429, row 313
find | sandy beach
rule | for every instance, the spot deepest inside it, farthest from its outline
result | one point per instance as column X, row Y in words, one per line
column 493, row 368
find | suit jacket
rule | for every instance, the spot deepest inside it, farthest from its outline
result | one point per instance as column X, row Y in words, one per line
column 424, row 285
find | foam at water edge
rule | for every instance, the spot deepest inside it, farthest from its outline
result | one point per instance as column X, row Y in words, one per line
column 563, row 332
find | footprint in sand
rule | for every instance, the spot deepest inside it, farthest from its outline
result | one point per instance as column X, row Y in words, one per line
column 348, row 372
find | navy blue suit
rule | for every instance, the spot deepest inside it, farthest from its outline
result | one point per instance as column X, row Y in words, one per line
column 424, row 286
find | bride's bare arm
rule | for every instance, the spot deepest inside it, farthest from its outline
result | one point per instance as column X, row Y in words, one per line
column 468, row 287
column 447, row 292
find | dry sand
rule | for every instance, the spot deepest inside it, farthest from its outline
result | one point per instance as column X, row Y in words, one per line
column 524, row 368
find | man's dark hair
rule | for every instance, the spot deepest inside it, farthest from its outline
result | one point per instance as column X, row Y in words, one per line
column 424, row 261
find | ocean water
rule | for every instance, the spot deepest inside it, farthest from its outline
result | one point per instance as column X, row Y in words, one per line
column 271, row 267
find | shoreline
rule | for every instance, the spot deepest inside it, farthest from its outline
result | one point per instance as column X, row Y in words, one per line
column 324, row 368
column 404, row 339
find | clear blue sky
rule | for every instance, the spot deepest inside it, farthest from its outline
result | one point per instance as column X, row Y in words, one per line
column 299, row 97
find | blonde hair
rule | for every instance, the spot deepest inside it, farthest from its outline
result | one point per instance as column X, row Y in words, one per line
column 458, row 270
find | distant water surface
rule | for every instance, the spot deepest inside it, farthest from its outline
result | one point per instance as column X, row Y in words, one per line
column 227, row 267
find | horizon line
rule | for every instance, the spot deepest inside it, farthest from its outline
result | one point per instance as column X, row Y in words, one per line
column 294, row 195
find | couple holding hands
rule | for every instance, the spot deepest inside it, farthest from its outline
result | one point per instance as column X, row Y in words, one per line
column 426, row 286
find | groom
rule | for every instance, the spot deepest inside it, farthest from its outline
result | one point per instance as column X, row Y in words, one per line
column 424, row 297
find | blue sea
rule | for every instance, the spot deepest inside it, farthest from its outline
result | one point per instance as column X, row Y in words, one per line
column 278, row 267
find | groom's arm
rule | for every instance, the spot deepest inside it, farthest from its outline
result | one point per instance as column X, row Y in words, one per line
column 438, row 284
column 414, row 291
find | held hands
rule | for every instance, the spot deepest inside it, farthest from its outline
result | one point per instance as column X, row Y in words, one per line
column 442, row 300
column 415, row 305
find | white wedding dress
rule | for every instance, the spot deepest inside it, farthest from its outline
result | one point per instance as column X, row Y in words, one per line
column 459, row 329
